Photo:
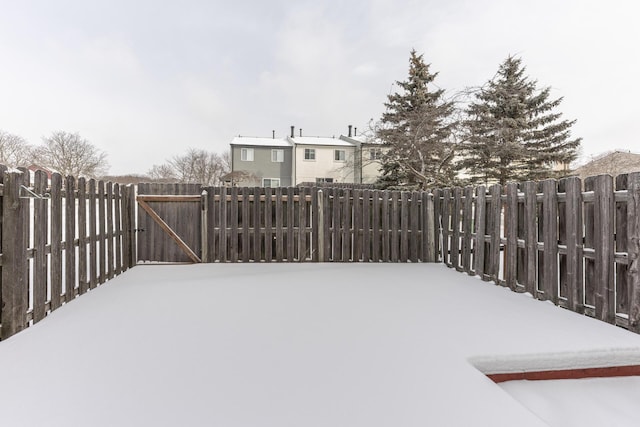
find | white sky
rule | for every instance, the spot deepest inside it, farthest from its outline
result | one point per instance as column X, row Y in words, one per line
column 145, row 80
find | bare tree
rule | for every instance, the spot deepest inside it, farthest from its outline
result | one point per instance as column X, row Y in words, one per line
column 197, row 166
column 14, row 150
column 70, row 154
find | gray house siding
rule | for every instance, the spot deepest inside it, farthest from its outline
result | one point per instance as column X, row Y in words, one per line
column 262, row 167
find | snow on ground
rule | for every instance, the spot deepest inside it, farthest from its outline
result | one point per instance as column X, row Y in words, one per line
column 291, row 345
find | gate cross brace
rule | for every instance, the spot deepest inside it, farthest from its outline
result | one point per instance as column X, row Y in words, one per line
column 142, row 201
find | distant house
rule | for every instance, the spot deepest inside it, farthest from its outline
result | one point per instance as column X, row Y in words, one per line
column 368, row 158
column 322, row 159
column 303, row 159
column 612, row 163
column 265, row 162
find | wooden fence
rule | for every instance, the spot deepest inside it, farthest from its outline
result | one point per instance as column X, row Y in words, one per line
column 59, row 238
column 293, row 224
column 557, row 240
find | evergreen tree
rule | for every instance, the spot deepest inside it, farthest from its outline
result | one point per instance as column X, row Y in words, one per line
column 513, row 131
column 417, row 127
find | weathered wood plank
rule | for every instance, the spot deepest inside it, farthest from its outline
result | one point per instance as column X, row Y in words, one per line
column 446, row 227
column 455, row 227
column 15, row 297
column 257, row 225
column 395, row 226
column 376, row 242
column 346, row 225
column 40, row 230
column 336, row 240
column 386, row 227
column 573, row 221
column 550, row 240
column 430, row 250
column 326, row 228
column 280, row 212
column 83, row 284
column 117, row 211
column 109, row 229
column 480, row 223
column 268, row 221
column 589, row 241
column 223, row 255
column 494, row 230
column 415, row 236
column 303, row 219
column 357, row 225
column 316, row 206
column 290, row 223
column 233, row 222
column 56, row 241
column 467, row 223
column 511, row 232
column 404, row 226
column 530, row 238
column 366, row 225
column 246, row 223
column 102, row 247
column 69, row 238
column 621, row 245
column 633, row 246
column 93, row 240
column 604, row 241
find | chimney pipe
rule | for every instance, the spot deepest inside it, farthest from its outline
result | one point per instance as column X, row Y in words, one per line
column 300, row 132
column 349, row 131
column 355, row 131
column 293, row 131
column 273, row 134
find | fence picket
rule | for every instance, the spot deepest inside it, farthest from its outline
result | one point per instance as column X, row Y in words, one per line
column 56, row 241
column 550, row 240
column 40, row 222
column 633, row 242
column 604, row 242
column 511, row 232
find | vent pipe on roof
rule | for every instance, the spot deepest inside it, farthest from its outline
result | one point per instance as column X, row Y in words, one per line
column 301, row 132
column 273, row 134
column 355, row 131
column 293, row 130
column 350, row 131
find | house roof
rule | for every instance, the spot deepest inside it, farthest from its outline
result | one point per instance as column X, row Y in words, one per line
column 261, row 142
column 613, row 163
column 320, row 140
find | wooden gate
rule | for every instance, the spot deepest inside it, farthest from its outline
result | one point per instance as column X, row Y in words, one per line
column 169, row 222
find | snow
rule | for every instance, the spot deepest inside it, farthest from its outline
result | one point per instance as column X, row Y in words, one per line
column 296, row 345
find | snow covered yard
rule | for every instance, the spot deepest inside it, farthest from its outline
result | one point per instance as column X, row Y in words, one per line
column 298, row 345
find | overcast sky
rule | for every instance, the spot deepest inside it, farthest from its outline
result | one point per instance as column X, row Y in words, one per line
column 144, row 80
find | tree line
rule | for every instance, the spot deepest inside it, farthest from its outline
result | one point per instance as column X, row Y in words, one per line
column 506, row 130
column 70, row 154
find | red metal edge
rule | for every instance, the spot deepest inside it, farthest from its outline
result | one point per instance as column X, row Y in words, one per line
column 568, row 374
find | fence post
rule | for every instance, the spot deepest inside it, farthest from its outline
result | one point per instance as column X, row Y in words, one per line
column 633, row 248
column 204, row 214
column 320, row 242
column 14, row 259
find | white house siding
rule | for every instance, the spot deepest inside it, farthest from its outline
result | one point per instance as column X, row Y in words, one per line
column 324, row 165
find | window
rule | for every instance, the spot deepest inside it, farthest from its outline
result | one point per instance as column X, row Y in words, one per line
column 246, row 154
column 323, row 180
column 271, row 182
column 309, row 153
column 375, row 154
column 339, row 155
column 277, row 156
